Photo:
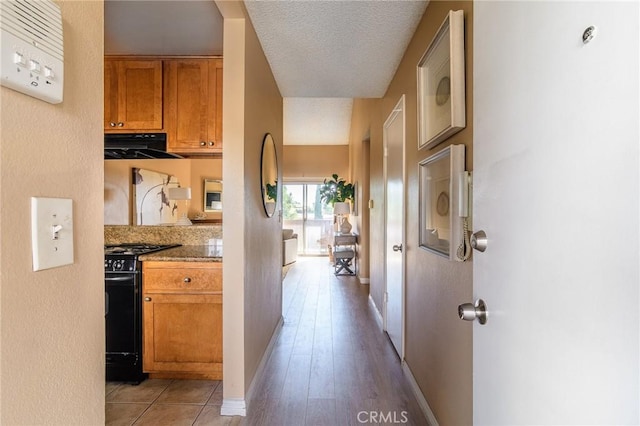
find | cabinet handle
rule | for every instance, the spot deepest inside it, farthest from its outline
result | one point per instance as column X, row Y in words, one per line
column 187, row 280
column 147, row 299
column 112, row 124
column 120, row 124
column 211, row 143
column 203, row 143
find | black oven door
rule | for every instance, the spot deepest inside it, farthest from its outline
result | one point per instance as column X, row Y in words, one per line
column 122, row 316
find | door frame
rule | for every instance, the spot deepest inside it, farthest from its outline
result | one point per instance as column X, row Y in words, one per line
column 397, row 109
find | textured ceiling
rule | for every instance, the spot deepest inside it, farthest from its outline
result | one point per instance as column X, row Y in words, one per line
column 322, row 53
column 317, row 121
column 334, row 49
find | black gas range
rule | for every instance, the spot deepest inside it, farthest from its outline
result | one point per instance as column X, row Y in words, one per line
column 123, row 310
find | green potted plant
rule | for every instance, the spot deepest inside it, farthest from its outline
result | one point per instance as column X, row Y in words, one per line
column 272, row 191
column 339, row 193
column 336, row 190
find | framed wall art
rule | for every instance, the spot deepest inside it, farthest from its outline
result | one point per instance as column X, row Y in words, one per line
column 441, row 84
column 151, row 204
column 440, row 223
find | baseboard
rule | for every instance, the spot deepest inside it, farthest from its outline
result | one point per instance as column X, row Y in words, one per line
column 238, row 407
column 233, row 407
column 377, row 312
column 364, row 280
column 422, row 402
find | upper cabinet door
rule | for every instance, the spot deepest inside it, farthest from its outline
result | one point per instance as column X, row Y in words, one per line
column 133, row 95
column 194, row 105
column 215, row 102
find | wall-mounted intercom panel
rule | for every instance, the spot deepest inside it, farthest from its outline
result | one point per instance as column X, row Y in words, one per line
column 32, row 55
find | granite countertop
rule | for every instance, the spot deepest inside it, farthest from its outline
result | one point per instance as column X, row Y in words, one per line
column 184, row 254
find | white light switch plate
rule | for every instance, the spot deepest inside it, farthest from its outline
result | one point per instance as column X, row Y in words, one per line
column 51, row 232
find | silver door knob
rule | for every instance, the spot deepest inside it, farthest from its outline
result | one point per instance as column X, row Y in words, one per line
column 112, row 124
column 211, row 143
column 471, row 312
column 479, row 241
column 187, row 280
column 147, row 299
column 203, row 143
column 120, row 124
column 397, row 247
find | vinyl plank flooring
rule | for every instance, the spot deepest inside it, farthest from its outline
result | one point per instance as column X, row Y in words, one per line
column 296, row 383
column 321, row 412
column 321, row 379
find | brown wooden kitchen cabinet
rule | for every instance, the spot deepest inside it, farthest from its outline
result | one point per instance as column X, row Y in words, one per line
column 193, row 113
column 182, row 319
column 133, row 95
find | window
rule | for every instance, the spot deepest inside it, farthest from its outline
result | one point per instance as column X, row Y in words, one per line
column 308, row 217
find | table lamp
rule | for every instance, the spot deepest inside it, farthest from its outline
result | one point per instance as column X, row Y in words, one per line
column 180, row 194
column 342, row 210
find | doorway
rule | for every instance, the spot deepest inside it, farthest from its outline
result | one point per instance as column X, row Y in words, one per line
column 308, row 216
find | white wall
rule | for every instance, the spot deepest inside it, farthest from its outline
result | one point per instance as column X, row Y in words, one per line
column 52, row 334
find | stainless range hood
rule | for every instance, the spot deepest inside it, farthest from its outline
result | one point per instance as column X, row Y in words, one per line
column 136, row 146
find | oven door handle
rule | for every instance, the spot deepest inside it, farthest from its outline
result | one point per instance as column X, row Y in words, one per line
column 121, row 278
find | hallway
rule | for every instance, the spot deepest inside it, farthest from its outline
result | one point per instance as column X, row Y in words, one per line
column 331, row 365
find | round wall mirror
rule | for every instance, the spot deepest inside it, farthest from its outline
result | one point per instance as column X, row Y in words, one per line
column 269, row 175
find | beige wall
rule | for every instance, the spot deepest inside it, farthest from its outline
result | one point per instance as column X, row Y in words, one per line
column 253, row 247
column 306, row 162
column 118, row 200
column 438, row 344
column 263, row 236
column 52, row 334
column 365, row 112
column 233, row 274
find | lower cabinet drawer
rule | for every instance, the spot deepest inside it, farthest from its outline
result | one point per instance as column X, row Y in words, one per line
column 182, row 277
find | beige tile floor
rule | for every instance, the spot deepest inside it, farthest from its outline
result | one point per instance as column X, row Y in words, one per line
column 165, row 402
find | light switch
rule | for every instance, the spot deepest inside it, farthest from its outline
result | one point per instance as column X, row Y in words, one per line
column 18, row 58
column 34, row 66
column 51, row 232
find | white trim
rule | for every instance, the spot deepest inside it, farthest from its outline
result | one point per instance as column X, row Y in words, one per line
column 364, row 280
column 378, row 315
column 233, row 407
column 238, row 406
column 263, row 361
column 422, row 402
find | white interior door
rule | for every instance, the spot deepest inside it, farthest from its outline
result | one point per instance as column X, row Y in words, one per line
column 556, row 191
column 393, row 140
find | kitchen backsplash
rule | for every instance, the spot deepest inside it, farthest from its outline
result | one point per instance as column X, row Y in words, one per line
column 185, row 235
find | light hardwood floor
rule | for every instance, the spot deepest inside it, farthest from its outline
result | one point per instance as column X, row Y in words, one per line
column 331, row 365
